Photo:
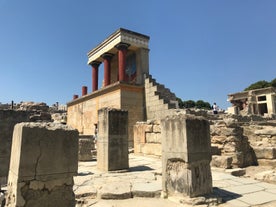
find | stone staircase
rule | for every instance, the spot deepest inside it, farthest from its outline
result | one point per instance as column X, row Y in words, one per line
column 159, row 99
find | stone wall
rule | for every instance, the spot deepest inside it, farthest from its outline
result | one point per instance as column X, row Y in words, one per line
column 231, row 147
column 147, row 138
column 44, row 160
column 8, row 118
column 83, row 112
column 262, row 137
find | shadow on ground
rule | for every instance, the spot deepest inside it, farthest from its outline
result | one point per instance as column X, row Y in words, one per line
column 140, row 168
column 225, row 195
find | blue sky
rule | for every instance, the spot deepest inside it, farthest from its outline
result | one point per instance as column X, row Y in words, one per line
column 199, row 49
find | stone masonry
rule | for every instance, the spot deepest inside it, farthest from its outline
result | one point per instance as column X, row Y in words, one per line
column 44, row 160
column 147, row 138
column 186, row 156
column 112, row 143
column 8, row 118
column 232, row 147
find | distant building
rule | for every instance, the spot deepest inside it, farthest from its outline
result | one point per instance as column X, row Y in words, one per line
column 260, row 101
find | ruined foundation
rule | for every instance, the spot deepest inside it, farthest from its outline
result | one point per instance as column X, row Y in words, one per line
column 186, row 156
column 112, row 144
column 44, row 160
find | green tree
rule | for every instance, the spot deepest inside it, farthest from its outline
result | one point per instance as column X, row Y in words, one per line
column 189, row 104
column 258, row 85
column 273, row 82
column 200, row 104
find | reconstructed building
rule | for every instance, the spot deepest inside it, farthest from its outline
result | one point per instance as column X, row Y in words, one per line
column 260, row 101
column 127, row 84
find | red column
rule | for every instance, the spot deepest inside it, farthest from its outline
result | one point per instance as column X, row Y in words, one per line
column 122, row 51
column 84, row 90
column 107, row 59
column 75, row 96
column 95, row 75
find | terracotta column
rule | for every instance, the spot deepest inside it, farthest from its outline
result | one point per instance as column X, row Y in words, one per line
column 107, row 68
column 122, row 51
column 95, row 75
column 84, row 90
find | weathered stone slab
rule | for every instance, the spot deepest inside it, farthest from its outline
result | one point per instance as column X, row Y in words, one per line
column 112, row 144
column 265, row 152
column 116, row 190
column 186, row 156
column 222, row 161
column 44, row 160
column 86, row 147
column 149, row 189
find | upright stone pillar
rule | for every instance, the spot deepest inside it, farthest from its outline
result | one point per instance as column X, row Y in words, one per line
column 44, row 160
column 186, row 156
column 112, row 143
column 122, row 51
column 107, row 67
column 95, row 75
column 84, row 90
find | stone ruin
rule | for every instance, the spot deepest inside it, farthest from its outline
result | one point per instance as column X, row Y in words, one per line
column 186, row 156
column 230, row 147
column 43, row 163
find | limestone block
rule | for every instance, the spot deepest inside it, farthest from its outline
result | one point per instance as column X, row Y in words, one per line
column 86, row 145
column 186, row 156
column 44, row 160
column 112, row 144
column 151, row 149
column 186, row 137
column 265, row 152
column 222, row 161
column 153, row 137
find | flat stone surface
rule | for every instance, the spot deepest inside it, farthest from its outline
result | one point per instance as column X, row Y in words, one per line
column 142, row 182
column 258, row 198
column 151, row 189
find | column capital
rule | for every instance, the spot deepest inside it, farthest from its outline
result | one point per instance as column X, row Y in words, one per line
column 95, row 63
column 107, row 55
column 122, row 45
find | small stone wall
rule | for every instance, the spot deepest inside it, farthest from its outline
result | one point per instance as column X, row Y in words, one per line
column 262, row 137
column 44, row 160
column 230, row 147
column 147, row 138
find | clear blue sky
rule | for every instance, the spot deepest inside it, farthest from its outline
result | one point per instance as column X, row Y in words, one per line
column 199, row 49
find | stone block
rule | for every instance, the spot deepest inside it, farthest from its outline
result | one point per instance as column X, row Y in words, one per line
column 44, row 160
column 265, row 152
column 186, row 137
column 186, row 156
column 151, row 149
column 222, row 161
column 112, row 144
column 153, row 137
column 86, row 146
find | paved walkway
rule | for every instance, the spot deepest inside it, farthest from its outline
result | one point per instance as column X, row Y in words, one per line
column 142, row 185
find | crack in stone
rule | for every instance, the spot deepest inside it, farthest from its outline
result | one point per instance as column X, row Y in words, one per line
column 37, row 160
